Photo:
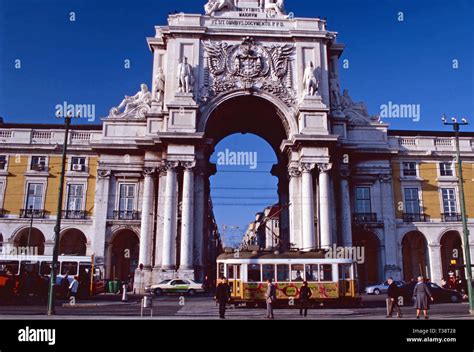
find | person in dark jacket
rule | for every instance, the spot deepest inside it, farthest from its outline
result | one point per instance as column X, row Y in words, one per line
column 421, row 293
column 305, row 295
column 223, row 296
column 393, row 293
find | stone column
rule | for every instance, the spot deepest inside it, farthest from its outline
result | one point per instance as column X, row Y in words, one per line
column 388, row 216
column 170, row 218
column 187, row 243
column 146, row 230
column 436, row 271
column 161, row 194
column 346, row 214
column 324, row 205
column 307, row 205
column 293, row 209
column 101, row 207
column 199, row 218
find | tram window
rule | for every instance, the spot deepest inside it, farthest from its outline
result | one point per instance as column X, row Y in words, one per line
column 69, row 267
column 268, row 272
column 254, row 273
column 230, row 272
column 29, row 267
column 325, row 272
column 297, row 273
column 9, row 265
column 344, row 272
column 283, row 273
column 45, row 268
column 311, row 272
column 221, row 270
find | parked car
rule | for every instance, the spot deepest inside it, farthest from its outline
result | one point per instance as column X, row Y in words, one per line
column 440, row 295
column 382, row 288
column 187, row 286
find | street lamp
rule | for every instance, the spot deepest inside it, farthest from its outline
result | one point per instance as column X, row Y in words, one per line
column 57, row 227
column 467, row 251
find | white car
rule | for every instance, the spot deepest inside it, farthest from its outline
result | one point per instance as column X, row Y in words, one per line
column 382, row 288
column 181, row 286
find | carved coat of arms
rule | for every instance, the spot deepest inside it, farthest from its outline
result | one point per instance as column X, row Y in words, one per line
column 249, row 66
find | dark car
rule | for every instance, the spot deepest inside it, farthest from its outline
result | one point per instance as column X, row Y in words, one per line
column 440, row 295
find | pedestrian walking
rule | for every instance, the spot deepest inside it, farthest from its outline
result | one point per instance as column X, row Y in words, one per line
column 305, row 295
column 223, row 296
column 65, row 286
column 393, row 293
column 270, row 297
column 421, row 293
column 74, row 288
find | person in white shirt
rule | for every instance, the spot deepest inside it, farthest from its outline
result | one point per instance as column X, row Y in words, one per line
column 74, row 287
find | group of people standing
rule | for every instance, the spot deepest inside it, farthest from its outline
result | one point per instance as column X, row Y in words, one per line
column 223, row 295
column 421, row 294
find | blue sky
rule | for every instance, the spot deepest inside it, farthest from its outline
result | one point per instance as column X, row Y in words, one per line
column 408, row 62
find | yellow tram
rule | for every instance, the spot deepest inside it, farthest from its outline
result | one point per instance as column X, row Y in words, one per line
column 330, row 280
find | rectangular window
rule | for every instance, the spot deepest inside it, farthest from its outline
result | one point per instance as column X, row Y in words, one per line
column 311, row 272
column 69, row 268
column 409, row 169
column 283, row 273
column 268, row 271
column 446, row 169
column 412, row 201
column 3, row 162
column 78, row 164
column 449, row 200
column 127, row 198
column 325, row 272
column 35, row 196
column 254, row 273
column 363, row 201
column 75, row 197
column 38, row 163
column 297, row 272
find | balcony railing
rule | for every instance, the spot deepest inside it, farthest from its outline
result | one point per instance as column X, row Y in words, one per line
column 126, row 215
column 407, row 217
column 2, row 213
column 35, row 213
column 74, row 214
column 365, row 218
column 451, row 217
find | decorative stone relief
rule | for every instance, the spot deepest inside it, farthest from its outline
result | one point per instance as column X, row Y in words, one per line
column 250, row 66
column 135, row 106
column 356, row 113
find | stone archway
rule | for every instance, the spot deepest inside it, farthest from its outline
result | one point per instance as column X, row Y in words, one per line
column 73, row 242
column 125, row 252
column 369, row 271
column 34, row 240
column 452, row 250
column 415, row 256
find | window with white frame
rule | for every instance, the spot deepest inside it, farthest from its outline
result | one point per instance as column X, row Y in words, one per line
column 446, row 169
column 363, row 200
column 78, row 164
column 34, row 198
column 75, row 197
column 3, row 162
column 127, row 198
column 38, row 163
column 409, row 169
column 412, row 201
column 449, row 200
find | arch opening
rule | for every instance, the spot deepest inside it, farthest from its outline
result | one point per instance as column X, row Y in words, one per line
column 73, row 242
column 33, row 238
column 415, row 256
column 125, row 252
column 452, row 255
column 369, row 271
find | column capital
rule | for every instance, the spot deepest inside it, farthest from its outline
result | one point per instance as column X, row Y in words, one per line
column 170, row 165
column 324, row 168
column 385, row 178
column 188, row 165
column 294, row 171
column 149, row 171
column 104, row 173
column 307, row 167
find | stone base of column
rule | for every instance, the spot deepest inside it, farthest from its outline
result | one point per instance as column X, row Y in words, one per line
column 159, row 274
column 186, row 273
column 142, row 279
